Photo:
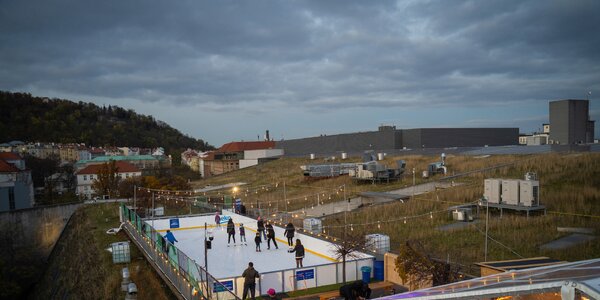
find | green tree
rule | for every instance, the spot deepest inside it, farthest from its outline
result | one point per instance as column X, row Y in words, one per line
column 107, row 181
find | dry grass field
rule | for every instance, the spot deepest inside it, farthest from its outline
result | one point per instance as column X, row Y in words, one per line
column 570, row 188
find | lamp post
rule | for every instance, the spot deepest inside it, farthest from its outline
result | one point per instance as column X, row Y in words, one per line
column 414, row 180
column 487, row 216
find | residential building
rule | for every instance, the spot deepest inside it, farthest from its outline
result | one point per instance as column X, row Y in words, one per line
column 87, row 176
column 191, row 159
column 570, row 122
column 69, row 152
column 237, row 155
column 148, row 164
column 16, row 186
column 59, row 182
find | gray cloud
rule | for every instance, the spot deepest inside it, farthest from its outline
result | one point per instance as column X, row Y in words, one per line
column 313, row 56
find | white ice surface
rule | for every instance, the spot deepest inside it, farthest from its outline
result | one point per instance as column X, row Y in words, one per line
column 226, row 262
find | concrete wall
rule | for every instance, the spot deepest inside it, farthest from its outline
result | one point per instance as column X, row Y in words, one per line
column 459, row 137
column 349, row 142
column 390, row 274
column 35, row 228
column 390, row 139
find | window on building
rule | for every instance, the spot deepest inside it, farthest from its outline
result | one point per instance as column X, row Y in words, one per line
column 84, row 177
column 11, row 198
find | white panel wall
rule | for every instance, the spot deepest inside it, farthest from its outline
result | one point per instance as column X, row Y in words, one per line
column 263, row 153
column 244, row 163
column 326, row 275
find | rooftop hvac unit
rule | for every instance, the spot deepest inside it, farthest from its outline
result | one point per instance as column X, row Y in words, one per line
column 492, row 190
column 529, row 193
column 380, row 243
column 510, row 191
column 313, row 225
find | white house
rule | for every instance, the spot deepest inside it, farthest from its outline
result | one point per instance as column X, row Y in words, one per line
column 87, row 175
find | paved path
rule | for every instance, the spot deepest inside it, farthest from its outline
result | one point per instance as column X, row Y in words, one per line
column 568, row 241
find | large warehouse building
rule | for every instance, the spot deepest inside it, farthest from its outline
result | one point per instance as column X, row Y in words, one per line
column 570, row 122
column 388, row 138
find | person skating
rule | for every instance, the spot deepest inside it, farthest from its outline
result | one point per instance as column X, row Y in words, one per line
column 218, row 219
column 260, row 226
column 243, row 235
column 250, row 275
column 271, row 236
column 257, row 240
column 230, row 232
column 299, row 249
column 289, row 233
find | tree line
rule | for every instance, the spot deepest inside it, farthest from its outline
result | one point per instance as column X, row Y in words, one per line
column 35, row 119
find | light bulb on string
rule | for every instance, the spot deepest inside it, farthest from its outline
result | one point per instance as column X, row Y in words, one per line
column 378, row 225
column 431, row 215
column 404, row 220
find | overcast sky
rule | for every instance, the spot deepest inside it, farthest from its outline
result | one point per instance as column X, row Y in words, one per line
column 228, row 70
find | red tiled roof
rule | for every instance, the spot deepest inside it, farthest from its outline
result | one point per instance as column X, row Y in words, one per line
column 122, row 167
column 9, row 156
column 243, row 146
column 7, row 168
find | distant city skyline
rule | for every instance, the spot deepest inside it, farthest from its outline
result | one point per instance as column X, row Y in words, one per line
column 228, row 71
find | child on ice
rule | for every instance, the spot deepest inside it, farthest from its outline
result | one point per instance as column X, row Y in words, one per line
column 257, row 241
column 243, row 234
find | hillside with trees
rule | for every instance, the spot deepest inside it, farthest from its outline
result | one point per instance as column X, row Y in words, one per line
column 36, row 119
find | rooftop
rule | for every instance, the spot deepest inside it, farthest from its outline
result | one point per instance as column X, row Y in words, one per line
column 244, row 146
column 122, row 167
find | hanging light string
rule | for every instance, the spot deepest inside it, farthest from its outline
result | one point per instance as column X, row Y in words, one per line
column 325, row 194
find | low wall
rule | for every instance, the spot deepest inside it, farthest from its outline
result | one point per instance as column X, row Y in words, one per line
column 390, row 274
column 35, row 229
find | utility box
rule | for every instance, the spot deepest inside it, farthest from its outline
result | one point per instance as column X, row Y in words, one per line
column 463, row 214
column 313, row 225
column 379, row 243
column 493, row 190
column 529, row 193
column 510, row 191
column 120, row 252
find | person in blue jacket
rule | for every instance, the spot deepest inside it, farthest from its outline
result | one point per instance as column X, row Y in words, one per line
column 170, row 237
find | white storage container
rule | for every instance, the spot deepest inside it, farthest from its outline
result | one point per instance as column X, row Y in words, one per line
column 313, row 225
column 380, row 243
column 120, row 252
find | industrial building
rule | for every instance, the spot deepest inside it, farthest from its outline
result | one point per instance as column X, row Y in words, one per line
column 570, row 122
column 388, row 138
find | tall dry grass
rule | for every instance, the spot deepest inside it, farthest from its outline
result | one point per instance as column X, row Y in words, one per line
column 570, row 184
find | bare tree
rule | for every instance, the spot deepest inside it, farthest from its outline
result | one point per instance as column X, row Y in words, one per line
column 416, row 267
column 347, row 247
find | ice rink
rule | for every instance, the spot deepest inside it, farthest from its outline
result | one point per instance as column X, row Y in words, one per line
column 230, row 261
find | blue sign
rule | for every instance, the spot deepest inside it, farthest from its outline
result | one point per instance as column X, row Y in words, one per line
column 225, row 285
column 305, row 274
column 174, row 223
column 224, row 219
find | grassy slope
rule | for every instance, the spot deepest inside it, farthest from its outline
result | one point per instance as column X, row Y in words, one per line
column 570, row 183
column 81, row 268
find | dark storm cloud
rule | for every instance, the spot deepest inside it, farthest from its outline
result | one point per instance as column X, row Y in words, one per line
column 313, row 55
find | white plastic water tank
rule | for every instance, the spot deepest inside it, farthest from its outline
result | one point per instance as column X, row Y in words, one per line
column 312, row 156
column 380, row 156
column 120, row 252
column 313, row 225
column 344, row 155
column 379, row 243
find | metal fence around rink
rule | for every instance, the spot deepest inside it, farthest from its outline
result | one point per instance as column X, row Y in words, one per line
column 190, row 279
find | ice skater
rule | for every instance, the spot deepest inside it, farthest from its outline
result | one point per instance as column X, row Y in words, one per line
column 260, row 226
column 230, row 232
column 243, row 234
column 218, row 219
column 271, row 236
column 257, row 241
column 289, row 233
column 299, row 249
column 171, row 238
